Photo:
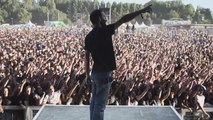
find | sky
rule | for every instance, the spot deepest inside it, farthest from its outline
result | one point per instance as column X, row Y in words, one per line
column 195, row 3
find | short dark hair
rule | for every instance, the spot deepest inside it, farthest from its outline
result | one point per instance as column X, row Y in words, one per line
column 94, row 16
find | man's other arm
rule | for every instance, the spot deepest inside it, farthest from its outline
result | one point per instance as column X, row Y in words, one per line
column 87, row 57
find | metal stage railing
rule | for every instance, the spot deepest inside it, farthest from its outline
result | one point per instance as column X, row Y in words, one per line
column 19, row 112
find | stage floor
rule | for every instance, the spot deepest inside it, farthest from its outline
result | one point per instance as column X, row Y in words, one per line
column 64, row 112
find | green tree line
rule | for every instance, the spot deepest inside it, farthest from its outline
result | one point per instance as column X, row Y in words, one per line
column 16, row 12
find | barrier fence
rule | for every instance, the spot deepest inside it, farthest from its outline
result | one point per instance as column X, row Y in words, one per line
column 27, row 113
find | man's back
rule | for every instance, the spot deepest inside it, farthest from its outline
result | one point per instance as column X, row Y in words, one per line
column 99, row 43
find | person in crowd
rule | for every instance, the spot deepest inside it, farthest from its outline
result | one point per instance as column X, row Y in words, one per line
column 1, row 110
column 200, row 102
column 5, row 96
column 39, row 95
column 209, row 95
column 27, row 97
column 52, row 97
column 183, row 101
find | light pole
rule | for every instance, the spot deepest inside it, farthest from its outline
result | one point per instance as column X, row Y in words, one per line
column 110, row 14
column 48, row 16
column 11, row 21
column 58, row 16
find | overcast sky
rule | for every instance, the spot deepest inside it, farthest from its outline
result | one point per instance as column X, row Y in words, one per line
column 195, row 3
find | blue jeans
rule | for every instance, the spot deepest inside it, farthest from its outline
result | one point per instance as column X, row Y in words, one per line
column 101, row 84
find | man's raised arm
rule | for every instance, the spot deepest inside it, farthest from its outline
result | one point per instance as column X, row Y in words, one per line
column 130, row 16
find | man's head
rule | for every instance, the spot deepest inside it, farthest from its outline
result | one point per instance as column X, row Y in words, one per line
column 97, row 17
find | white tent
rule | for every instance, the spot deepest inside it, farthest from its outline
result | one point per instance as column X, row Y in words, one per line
column 30, row 24
column 137, row 25
column 142, row 25
column 129, row 24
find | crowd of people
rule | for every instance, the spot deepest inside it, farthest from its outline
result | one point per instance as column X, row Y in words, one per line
column 158, row 66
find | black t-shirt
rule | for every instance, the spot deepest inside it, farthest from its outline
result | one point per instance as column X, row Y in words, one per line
column 27, row 100
column 99, row 43
column 171, row 101
column 6, row 101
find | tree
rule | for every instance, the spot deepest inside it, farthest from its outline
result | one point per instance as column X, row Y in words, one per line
column 96, row 5
column 28, row 4
column 207, row 16
column 11, row 7
column 62, row 5
column 61, row 1
column 108, row 4
column 23, row 15
column 42, row 2
column 115, row 13
column 2, row 16
column 72, row 10
column 198, row 16
column 86, row 18
column 186, row 12
column 138, row 18
column 51, row 4
column 39, row 15
column 120, row 9
column 189, row 10
column 173, row 14
column 132, row 7
column 17, row 12
column 102, row 4
column 126, row 8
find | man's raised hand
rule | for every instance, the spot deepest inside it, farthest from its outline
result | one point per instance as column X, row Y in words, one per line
column 147, row 9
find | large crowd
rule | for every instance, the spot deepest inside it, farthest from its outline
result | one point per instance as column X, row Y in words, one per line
column 158, row 66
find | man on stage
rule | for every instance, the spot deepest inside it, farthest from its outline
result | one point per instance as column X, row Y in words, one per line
column 98, row 44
